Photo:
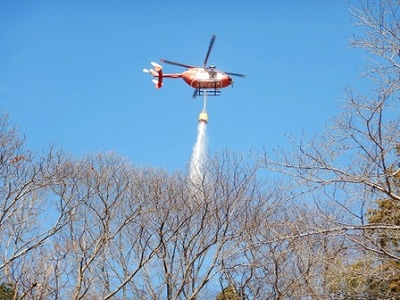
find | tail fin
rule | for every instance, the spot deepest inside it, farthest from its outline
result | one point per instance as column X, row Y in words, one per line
column 157, row 83
column 156, row 73
column 156, row 66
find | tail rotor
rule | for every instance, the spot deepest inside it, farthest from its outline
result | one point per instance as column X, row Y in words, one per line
column 157, row 73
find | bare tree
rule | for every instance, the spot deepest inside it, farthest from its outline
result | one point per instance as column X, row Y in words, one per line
column 351, row 166
column 279, row 260
column 28, row 217
column 108, row 239
column 199, row 226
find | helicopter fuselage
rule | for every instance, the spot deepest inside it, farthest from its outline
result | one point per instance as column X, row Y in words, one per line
column 200, row 78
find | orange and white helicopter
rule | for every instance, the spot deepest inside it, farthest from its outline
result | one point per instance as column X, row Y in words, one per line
column 205, row 80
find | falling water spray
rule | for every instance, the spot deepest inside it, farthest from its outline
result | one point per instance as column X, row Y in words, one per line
column 199, row 156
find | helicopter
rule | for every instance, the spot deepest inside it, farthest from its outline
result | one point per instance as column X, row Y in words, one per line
column 203, row 79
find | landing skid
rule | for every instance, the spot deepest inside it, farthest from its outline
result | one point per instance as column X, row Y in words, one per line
column 200, row 92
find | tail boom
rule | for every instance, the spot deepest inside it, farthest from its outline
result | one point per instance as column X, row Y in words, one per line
column 158, row 75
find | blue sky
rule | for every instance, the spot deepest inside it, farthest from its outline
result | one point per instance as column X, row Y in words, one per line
column 71, row 73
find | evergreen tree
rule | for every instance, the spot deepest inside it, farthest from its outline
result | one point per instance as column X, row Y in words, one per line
column 7, row 291
column 230, row 293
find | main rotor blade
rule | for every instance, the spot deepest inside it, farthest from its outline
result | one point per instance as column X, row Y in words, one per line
column 235, row 74
column 209, row 50
column 196, row 91
column 176, row 63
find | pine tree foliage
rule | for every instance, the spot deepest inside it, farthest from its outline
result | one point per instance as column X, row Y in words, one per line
column 230, row 293
column 7, row 291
